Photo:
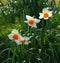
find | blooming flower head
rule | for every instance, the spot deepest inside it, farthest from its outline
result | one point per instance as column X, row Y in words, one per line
column 24, row 40
column 45, row 14
column 31, row 21
column 14, row 35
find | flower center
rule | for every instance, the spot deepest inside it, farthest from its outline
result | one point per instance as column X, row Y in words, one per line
column 23, row 41
column 46, row 15
column 31, row 21
column 15, row 36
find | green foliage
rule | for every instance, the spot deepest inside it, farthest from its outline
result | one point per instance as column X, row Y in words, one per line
column 45, row 46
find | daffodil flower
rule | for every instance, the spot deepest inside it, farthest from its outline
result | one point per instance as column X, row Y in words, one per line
column 14, row 35
column 45, row 14
column 24, row 40
column 31, row 21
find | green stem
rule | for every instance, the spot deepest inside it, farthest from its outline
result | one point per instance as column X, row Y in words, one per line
column 43, row 39
column 28, row 28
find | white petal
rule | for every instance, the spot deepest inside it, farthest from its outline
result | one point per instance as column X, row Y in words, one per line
column 10, row 36
column 26, row 21
column 48, row 7
column 41, row 15
column 37, row 20
column 26, row 43
column 35, row 26
column 14, row 31
column 28, row 17
column 45, row 10
column 18, row 42
column 21, row 38
column 50, row 13
column 27, row 38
